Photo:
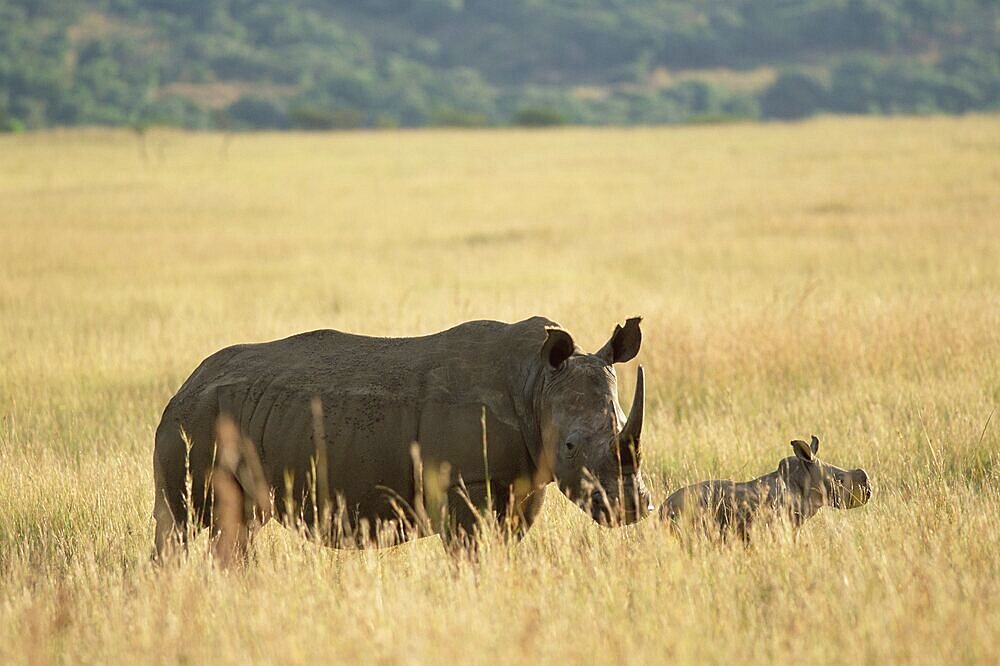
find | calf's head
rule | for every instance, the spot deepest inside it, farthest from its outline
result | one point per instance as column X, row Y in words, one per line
column 592, row 447
column 814, row 483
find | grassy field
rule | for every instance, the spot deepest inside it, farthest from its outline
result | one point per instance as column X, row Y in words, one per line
column 838, row 277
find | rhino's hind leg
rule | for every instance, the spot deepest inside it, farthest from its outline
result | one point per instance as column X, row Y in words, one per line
column 165, row 533
column 170, row 517
column 230, row 531
column 240, row 500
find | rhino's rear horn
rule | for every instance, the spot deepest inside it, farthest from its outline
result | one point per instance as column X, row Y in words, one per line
column 630, row 434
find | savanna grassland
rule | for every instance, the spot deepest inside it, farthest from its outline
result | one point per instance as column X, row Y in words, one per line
column 838, row 277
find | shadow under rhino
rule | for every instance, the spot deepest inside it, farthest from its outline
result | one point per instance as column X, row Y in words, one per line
column 368, row 441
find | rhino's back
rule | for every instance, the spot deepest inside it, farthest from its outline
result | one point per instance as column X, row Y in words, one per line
column 466, row 361
column 705, row 496
column 318, row 361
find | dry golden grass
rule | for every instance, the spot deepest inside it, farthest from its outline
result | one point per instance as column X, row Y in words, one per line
column 839, row 276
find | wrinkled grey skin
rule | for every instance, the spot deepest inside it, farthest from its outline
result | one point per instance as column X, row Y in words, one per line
column 800, row 486
column 551, row 413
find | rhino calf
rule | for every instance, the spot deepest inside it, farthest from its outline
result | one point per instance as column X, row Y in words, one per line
column 796, row 490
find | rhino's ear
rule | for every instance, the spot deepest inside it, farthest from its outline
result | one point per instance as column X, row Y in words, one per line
column 802, row 450
column 814, row 445
column 624, row 343
column 558, row 346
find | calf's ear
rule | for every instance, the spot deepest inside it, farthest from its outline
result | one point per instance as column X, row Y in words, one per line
column 558, row 346
column 814, row 445
column 802, row 450
column 624, row 343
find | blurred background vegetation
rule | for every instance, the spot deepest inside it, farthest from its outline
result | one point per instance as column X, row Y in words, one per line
column 309, row 64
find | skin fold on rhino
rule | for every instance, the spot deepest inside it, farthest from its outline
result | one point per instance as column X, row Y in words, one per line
column 800, row 486
column 426, row 432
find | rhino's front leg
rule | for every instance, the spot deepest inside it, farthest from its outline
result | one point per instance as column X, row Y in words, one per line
column 742, row 526
column 470, row 514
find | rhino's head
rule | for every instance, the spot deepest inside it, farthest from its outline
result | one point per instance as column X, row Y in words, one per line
column 593, row 449
column 814, row 483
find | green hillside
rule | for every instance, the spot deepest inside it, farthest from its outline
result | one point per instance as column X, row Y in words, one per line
column 312, row 64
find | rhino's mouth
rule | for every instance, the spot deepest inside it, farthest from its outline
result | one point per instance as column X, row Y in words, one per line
column 851, row 496
column 858, row 496
column 612, row 512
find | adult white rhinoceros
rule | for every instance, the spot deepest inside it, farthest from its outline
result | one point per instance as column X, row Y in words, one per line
column 549, row 410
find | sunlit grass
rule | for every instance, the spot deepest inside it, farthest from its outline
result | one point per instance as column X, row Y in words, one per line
column 838, row 277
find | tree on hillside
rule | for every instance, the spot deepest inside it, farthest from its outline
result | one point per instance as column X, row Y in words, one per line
column 794, row 95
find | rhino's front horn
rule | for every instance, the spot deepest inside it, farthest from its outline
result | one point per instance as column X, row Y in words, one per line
column 633, row 427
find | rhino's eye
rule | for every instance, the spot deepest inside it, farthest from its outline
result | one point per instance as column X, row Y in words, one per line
column 571, row 448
